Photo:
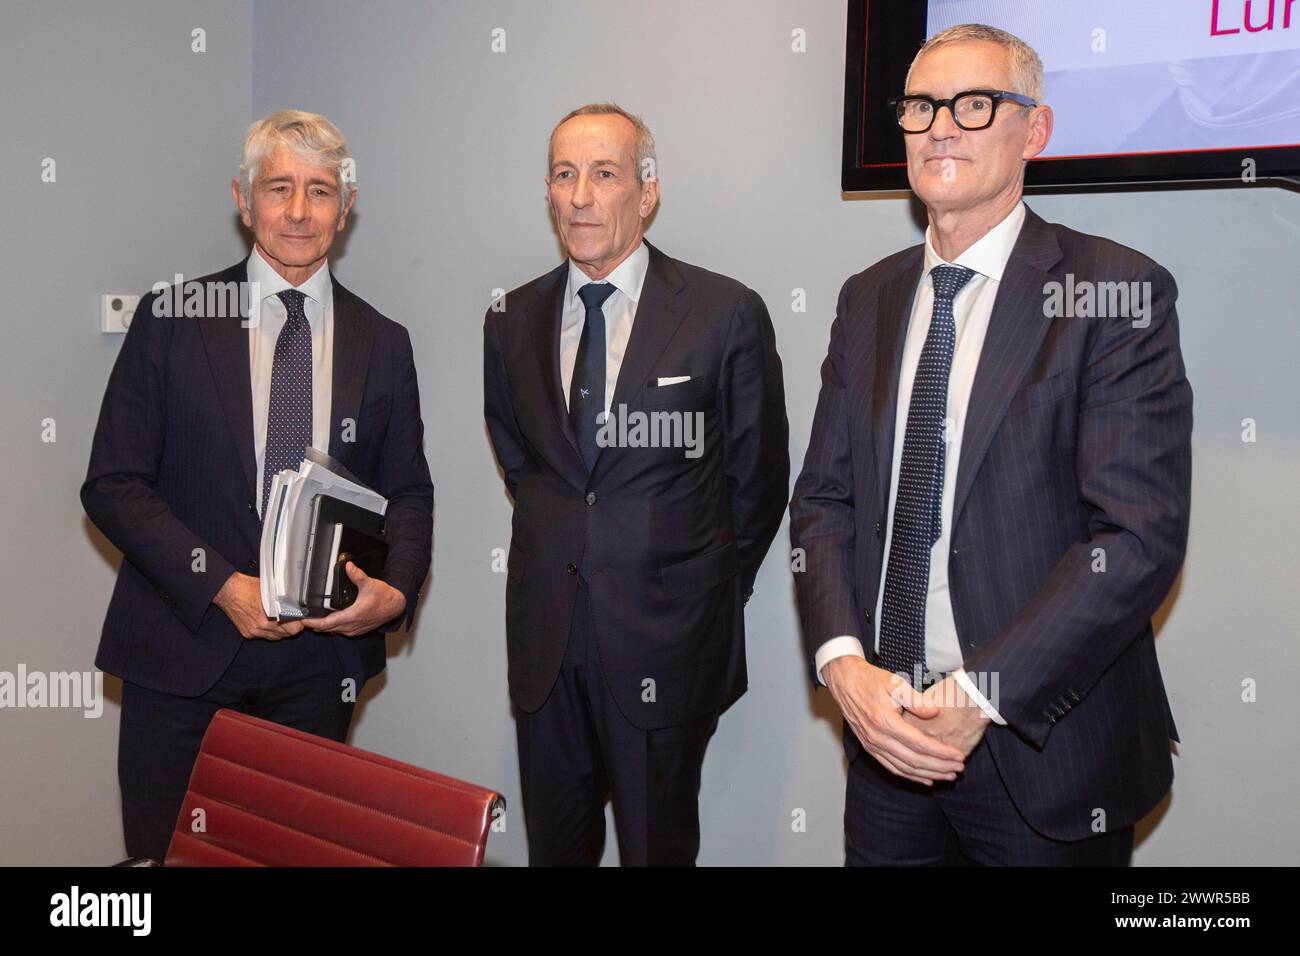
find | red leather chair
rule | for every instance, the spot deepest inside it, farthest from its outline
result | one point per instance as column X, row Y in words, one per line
column 274, row 796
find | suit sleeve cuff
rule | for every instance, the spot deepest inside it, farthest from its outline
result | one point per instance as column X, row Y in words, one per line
column 973, row 693
column 836, row 647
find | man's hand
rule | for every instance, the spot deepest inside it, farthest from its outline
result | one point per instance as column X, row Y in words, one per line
column 378, row 602
column 241, row 600
column 946, row 714
column 872, row 701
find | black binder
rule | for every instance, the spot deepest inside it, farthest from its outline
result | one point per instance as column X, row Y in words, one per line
column 341, row 532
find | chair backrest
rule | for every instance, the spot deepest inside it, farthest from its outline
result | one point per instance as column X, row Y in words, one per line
column 274, row 796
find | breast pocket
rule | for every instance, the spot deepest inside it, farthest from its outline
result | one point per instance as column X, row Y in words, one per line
column 691, row 395
column 1041, row 392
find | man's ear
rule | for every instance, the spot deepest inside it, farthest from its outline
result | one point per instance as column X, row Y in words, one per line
column 1041, row 124
column 343, row 216
column 649, row 196
column 240, row 203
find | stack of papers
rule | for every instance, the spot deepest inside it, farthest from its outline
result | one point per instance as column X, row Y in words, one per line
column 288, row 528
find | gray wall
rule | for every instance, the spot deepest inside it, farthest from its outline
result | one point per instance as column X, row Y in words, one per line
column 450, row 145
column 144, row 134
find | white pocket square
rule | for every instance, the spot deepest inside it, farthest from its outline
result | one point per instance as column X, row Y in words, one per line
column 673, row 380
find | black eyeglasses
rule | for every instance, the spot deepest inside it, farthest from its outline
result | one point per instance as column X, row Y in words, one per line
column 971, row 110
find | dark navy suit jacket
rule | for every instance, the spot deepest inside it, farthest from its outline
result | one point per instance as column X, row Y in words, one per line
column 674, row 543
column 1077, row 446
column 172, row 476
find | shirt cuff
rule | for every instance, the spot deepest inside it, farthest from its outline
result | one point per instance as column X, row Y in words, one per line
column 973, row 693
column 836, row 647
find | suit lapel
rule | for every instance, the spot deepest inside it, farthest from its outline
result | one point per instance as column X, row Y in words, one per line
column 892, row 318
column 543, row 319
column 226, row 342
column 1015, row 334
column 354, row 334
column 659, row 312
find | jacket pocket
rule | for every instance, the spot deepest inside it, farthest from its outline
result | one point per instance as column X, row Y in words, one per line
column 701, row 572
column 690, row 394
column 1040, row 392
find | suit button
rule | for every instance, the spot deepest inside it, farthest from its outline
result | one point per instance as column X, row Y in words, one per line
column 591, row 497
column 866, row 612
column 252, row 564
column 877, row 529
column 251, row 508
column 571, row 568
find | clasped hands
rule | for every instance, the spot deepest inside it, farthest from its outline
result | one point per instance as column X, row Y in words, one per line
column 378, row 602
column 920, row 736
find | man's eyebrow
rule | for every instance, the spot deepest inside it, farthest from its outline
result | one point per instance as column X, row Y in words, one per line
column 594, row 162
column 288, row 178
column 966, row 89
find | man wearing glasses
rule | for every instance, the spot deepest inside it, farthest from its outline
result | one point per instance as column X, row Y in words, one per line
column 994, row 502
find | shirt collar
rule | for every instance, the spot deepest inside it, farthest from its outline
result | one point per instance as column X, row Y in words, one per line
column 628, row 276
column 988, row 256
column 272, row 283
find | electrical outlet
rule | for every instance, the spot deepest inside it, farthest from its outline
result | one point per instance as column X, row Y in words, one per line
column 116, row 311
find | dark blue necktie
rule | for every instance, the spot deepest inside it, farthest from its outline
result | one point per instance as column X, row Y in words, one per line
column 587, row 388
column 918, row 505
column 288, row 420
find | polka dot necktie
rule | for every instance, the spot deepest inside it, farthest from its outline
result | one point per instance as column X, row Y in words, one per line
column 917, row 507
column 587, row 388
column 289, row 418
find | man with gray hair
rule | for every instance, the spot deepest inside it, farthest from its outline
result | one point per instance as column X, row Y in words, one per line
column 994, row 502
column 205, row 405
column 636, row 408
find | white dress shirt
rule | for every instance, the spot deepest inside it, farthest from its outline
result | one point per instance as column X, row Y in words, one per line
column 620, row 312
column 262, row 335
column 972, row 309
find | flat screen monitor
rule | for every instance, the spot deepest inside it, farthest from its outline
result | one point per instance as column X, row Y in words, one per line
column 1143, row 91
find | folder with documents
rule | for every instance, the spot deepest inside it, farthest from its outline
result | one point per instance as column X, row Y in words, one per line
column 317, row 518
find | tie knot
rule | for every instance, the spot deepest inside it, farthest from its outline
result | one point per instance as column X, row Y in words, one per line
column 949, row 280
column 293, row 300
column 594, row 294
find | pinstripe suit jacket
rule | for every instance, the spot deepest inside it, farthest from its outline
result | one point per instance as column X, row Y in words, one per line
column 172, row 472
column 1076, row 456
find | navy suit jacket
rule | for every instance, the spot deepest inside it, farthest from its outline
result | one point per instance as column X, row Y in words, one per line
column 673, row 542
column 1076, row 450
column 172, row 476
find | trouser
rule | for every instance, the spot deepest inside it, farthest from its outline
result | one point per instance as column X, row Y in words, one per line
column 578, row 750
column 889, row 820
column 296, row 681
